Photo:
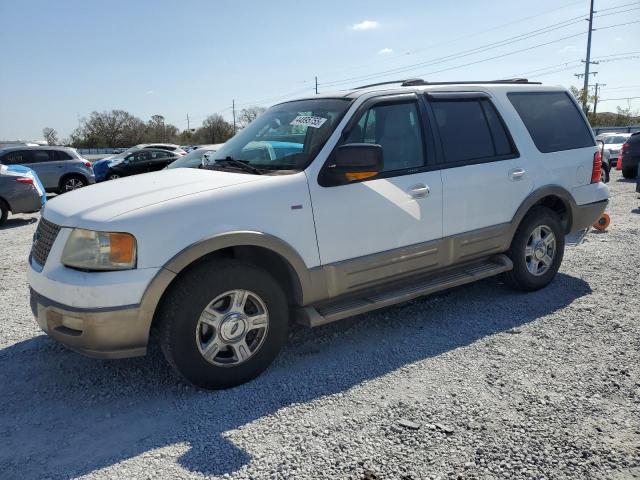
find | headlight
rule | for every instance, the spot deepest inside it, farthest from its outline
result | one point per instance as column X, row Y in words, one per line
column 89, row 250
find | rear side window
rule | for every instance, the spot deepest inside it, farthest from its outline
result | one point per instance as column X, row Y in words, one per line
column 40, row 156
column 553, row 120
column 471, row 130
column 60, row 155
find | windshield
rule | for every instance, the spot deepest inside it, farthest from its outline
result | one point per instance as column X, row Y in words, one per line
column 191, row 160
column 287, row 136
column 614, row 140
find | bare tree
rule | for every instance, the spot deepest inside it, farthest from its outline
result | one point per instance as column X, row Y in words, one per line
column 248, row 115
column 215, row 129
column 50, row 135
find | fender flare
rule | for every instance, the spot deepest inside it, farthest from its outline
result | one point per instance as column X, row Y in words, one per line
column 311, row 283
column 537, row 195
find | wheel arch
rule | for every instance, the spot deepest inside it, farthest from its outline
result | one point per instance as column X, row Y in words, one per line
column 555, row 198
column 67, row 175
column 302, row 284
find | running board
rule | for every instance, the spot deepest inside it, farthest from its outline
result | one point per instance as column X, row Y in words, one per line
column 314, row 316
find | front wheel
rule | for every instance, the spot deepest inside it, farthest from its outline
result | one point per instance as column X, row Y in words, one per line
column 536, row 250
column 223, row 323
column 113, row 176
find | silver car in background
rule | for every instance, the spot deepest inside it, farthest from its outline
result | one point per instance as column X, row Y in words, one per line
column 60, row 169
column 19, row 193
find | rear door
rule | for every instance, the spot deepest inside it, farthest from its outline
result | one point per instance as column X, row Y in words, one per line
column 158, row 159
column 40, row 162
column 484, row 177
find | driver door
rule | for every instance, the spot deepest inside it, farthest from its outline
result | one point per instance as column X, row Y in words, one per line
column 389, row 226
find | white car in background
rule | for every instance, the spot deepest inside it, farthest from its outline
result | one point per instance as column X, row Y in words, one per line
column 196, row 158
column 613, row 143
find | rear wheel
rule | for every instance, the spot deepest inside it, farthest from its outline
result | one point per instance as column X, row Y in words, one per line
column 223, row 323
column 536, row 250
column 4, row 212
column 113, row 176
column 629, row 173
column 72, row 182
column 604, row 174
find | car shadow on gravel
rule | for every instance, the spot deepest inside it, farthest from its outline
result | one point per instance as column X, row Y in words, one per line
column 18, row 222
column 63, row 415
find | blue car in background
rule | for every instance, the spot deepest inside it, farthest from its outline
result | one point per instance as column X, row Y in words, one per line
column 101, row 167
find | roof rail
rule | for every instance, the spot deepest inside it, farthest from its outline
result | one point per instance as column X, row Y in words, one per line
column 418, row 81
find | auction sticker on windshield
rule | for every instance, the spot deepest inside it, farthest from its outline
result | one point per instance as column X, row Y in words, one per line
column 308, row 121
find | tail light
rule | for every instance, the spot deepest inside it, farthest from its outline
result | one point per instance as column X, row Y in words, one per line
column 596, row 172
column 24, row 180
column 620, row 153
column 87, row 163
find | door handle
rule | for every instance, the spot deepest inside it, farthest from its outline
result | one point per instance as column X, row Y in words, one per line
column 517, row 174
column 419, row 190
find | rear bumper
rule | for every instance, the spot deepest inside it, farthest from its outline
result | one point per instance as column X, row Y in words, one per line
column 27, row 202
column 586, row 215
column 114, row 332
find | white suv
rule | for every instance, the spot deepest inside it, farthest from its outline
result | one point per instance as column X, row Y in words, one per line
column 320, row 209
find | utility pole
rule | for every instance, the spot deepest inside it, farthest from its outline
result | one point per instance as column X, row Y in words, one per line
column 595, row 97
column 316, row 85
column 587, row 63
column 233, row 109
column 189, row 129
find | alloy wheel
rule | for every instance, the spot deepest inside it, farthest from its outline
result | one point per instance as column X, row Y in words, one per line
column 232, row 328
column 73, row 184
column 540, row 250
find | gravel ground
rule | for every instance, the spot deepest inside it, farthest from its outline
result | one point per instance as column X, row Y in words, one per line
column 478, row 382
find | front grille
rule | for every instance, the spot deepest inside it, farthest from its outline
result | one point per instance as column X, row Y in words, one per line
column 43, row 239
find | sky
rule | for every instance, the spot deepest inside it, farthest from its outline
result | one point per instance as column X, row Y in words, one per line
column 62, row 60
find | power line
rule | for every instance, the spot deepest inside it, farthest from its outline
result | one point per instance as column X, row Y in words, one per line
column 623, row 98
column 457, row 39
column 464, row 53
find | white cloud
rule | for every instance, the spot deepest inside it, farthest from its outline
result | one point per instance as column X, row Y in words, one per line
column 385, row 51
column 365, row 25
column 568, row 49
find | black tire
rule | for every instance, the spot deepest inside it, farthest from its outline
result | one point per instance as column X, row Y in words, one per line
column 605, row 174
column 71, row 182
column 113, row 176
column 4, row 212
column 521, row 278
column 628, row 173
column 185, row 303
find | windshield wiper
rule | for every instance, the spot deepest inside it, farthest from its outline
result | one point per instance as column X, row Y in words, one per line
column 239, row 164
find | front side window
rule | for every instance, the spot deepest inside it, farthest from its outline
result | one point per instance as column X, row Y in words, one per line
column 287, row 136
column 397, row 129
column 138, row 157
column 470, row 130
column 553, row 120
column 16, row 158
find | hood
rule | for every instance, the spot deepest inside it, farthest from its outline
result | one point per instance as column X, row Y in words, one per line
column 105, row 201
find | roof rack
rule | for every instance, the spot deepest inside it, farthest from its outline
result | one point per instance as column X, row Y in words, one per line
column 418, row 81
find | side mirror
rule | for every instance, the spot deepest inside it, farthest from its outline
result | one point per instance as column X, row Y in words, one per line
column 357, row 161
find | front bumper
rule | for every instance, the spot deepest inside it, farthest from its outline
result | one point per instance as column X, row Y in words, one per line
column 113, row 332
